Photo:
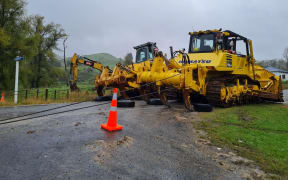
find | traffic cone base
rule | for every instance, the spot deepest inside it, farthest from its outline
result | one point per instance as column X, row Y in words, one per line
column 109, row 128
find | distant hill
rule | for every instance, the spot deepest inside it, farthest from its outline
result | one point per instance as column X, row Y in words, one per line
column 104, row 58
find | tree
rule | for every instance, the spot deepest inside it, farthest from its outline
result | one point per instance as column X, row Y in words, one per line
column 29, row 37
column 285, row 55
column 47, row 37
column 128, row 59
column 14, row 39
column 121, row 61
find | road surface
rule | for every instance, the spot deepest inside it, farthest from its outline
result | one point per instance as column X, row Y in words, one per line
column 156, row 143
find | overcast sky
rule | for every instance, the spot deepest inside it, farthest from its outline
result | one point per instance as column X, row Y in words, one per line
column 115, row 26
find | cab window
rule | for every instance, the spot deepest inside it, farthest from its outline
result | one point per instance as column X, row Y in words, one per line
column 150, row 55
column 241, row 48
column 141, row 55
column 202, row 43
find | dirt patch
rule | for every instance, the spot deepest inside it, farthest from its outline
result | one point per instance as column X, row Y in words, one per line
column 184, row 117
column 125, row 141
column 31, row 132
column 105, row 150
column 180, row 118
column 101, row 113
column 77, row 124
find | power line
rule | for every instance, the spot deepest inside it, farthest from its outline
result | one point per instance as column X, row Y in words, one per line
column 42, row 111
column 75, row 109
column 52, row 113
column 51, row 109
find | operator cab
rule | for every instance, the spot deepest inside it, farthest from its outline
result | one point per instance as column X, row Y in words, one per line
column 209, row 41
column 145, row 51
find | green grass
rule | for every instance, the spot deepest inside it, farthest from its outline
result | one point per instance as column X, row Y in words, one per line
column 285, row 84
column 258, row 132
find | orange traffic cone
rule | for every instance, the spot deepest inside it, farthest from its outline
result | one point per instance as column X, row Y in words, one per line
column 112, row 119
column 2, row 98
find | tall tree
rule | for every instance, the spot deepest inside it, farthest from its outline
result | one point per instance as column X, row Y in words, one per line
column 128, row 59
column 47, row 37
column 13, row 39
column 31, row 38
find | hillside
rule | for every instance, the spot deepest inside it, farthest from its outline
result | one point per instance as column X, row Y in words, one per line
column 104, row 58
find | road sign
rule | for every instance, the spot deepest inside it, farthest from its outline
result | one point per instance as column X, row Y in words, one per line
column 19, row 58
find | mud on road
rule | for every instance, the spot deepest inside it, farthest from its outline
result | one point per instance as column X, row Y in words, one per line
column 155, row 143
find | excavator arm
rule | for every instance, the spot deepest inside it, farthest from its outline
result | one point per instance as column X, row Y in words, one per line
column 76, row 59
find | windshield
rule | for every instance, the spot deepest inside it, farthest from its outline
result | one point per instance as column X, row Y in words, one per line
column 202, row 43
column 141, row 55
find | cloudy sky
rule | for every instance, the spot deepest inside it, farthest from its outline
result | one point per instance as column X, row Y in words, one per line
column 115, row 26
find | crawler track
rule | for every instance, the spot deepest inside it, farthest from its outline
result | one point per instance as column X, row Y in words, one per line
column 215, row 86
column 213, row 92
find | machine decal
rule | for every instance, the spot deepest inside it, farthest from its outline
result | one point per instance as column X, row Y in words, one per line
column 229, row 60
column 197, row 61
column 88, row 63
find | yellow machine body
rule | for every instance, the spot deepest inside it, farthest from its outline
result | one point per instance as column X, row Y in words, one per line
column 223, row 77
column 212, row 71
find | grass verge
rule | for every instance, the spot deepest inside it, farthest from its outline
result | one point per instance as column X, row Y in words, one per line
column 63, row 95
column 285, row 84
column 73, row 97
column 258, row 132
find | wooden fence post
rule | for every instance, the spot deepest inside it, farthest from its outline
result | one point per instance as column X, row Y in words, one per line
column 37, row 93
column 46, row 95
column 55, row 95
column 26, row 94
column 67, row 93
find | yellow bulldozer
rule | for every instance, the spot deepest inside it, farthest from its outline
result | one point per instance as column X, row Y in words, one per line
column 214, row 71
column 218, row 69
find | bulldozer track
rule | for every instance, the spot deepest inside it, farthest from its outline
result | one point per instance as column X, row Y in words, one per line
column 281, row 97
column 213, row 92
column 214, row 87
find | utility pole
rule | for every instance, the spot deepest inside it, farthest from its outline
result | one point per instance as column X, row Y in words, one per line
column 64, row 57
column 17, row 59
column 64, row 47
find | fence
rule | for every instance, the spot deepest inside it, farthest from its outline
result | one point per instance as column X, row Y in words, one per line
column 49, row 95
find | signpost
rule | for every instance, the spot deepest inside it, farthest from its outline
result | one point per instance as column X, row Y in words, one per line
column 17, row 59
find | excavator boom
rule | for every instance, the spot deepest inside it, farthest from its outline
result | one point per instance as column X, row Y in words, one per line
column 76, row 59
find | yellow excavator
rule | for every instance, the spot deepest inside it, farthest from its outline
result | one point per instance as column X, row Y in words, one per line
column 122, row 77
column 77, row 59
column 125, row 77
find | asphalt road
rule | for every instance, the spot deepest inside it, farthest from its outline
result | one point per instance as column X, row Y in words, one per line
column 156, row 143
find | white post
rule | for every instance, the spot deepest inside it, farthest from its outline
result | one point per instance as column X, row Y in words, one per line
column 16, row 83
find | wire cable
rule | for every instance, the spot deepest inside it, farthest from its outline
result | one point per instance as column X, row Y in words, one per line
column 51, row 109
column 75, row 109
column 42, row 111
